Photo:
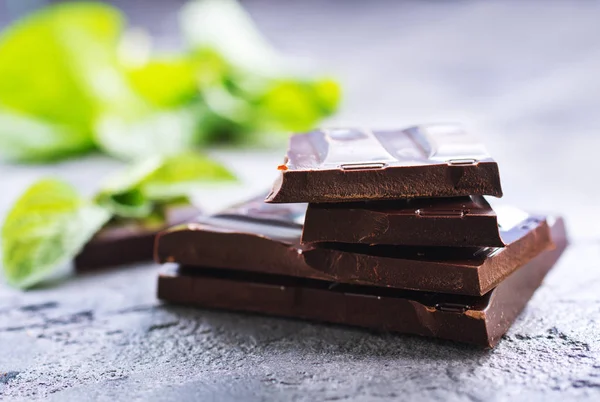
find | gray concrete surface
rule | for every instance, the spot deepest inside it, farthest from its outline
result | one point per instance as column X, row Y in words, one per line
column 521, row 74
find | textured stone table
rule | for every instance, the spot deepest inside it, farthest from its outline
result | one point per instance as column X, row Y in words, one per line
column 524, row 77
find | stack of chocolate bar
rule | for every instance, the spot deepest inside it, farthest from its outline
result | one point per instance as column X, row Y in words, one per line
column 396, row 236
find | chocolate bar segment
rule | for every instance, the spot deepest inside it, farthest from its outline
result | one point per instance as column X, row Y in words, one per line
column 256, row 209
column 128, row 241
column 452, row 222
column 478, row 320
column 341, row 165
column 261, row 244
column 236, row 242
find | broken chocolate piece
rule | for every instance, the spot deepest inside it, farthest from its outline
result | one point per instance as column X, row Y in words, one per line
column 256, row 209
column 480, row 320
column 124, row 242
column 341, row 165
column 450, row 222
column 261, row 243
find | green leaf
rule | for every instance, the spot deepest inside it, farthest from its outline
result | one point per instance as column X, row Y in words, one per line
column 128, row 204
column 46, row 227
column 132, row 176
column 293, row 105
column 65, row 91
column 241, row 112
column 226, row 28
column 28, row 139
column 166, row 82
column 148, row 133
column 58, row 65
column 222, row 102
column 327, row 94
column 120, row 192
column 179, row 174
column 136, row 192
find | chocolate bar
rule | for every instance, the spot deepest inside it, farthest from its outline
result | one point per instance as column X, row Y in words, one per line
column 256, row 209
column 451, row 222
column 341, row 165
column 268, row 242
column 480, row 320
column 124, row 242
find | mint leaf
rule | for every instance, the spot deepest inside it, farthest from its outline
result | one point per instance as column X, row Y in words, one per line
column 147, row 133
column 167, row 82
column 65, row 91
column 140, row 190
column 58, row 65
column 120, row 192
column 46, row 227
column 132, row 176
column 243, row 111
column 226, row 28
column 251, row 91
column 296, row 105
column 179, row 174
column 127, row 204
column 26, row 138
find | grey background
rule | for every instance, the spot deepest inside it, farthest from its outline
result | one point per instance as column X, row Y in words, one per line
column 522, row 75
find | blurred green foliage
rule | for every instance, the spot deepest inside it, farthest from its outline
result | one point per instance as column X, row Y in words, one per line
column 75, row 80
column 47, row 226
column 51, row 222
column 145, row 187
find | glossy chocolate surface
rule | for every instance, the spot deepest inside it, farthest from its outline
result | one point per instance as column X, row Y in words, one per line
column 263, row 244
column 341, row 165
column 452, row 222
column 480, row 320
column 128, row 241
column 256, row 209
